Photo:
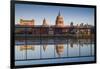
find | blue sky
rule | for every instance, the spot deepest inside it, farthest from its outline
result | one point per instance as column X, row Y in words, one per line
column 76, row 15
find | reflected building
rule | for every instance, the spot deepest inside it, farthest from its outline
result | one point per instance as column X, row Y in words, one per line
column 27, row 47
column 59, row 49
column 44, row 47
column 71, row 44
column 80, row 47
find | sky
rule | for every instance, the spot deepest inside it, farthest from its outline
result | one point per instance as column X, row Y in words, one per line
column 76, row 15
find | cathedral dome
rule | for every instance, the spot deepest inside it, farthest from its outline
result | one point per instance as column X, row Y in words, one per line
column 59, row 49
column 27, row 22
column 59, row 16
column 59, row 21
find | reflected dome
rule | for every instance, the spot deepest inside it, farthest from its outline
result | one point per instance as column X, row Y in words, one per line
column 59, row 49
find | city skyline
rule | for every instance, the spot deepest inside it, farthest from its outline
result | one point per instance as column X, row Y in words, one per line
column 77, row 15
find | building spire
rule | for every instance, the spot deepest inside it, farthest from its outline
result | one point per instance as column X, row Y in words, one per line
column 44, row 22
column 44, row 19
column 59, row 13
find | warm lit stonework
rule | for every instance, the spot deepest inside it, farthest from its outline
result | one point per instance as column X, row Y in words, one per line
column 59, row 21
column 27, row 22
column 59, row 29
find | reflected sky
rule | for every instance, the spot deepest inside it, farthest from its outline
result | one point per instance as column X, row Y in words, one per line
column 70, row 48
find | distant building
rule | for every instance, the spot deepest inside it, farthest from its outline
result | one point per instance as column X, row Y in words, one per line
column 72, row 29
column 59, row 21
column 27, row 22
column 71, row 24
column 51, row 31
column 58, row 29
column 45, row 24
column 44, row 28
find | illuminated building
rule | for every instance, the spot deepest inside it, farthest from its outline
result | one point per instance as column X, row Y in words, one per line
column 27, row 22
column 59, row 29
column 59, row 21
